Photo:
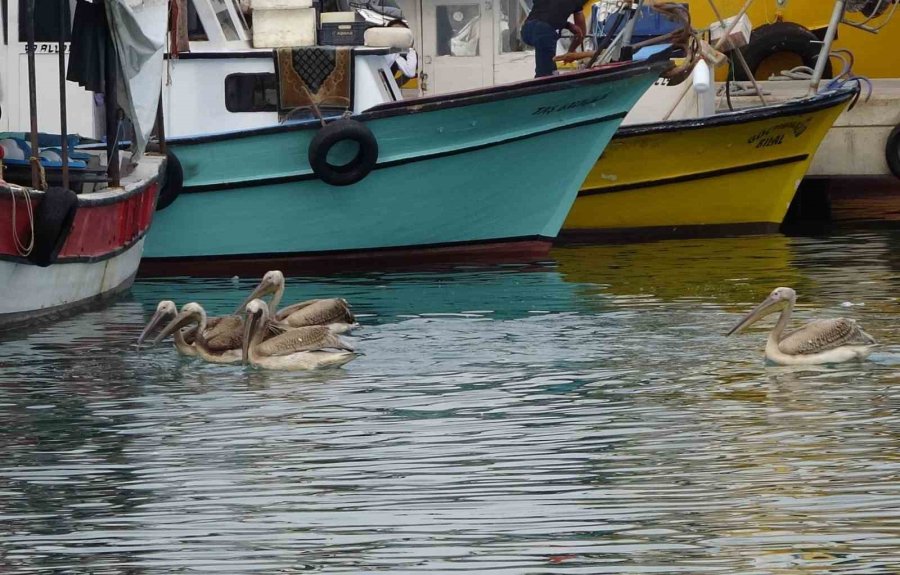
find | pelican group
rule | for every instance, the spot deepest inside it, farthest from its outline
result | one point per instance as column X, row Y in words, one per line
column 818, row 342
column 226, row 339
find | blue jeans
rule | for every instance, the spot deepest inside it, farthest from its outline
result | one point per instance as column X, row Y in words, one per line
column 543, row 37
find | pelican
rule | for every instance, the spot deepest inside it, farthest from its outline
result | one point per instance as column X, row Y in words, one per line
column 305, row 347
column 334, row 313
column 820, row 341
column 219, row 345
column 184, row 339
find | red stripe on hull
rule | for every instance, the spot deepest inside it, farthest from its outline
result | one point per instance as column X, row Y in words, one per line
column 421, row 258
column 99, row 228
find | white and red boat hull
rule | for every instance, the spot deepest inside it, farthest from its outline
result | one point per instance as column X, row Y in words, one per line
column 98, row 260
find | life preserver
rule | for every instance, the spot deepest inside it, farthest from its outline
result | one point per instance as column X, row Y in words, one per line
column 354, row 170
column 53, row 221
column 771, row 39
column 173, row 184
column 892, row 151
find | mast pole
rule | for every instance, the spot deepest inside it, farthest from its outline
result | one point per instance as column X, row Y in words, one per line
column 64, row 141
column 32, row 94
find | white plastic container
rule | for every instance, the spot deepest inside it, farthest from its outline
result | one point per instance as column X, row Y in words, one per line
column 739, row 36
column 279, row 4
column 281, row 28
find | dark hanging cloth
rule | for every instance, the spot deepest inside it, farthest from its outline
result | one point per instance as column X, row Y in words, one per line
column 90, row 44
column 46, row 20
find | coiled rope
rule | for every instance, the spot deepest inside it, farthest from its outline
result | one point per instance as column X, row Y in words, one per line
column 21, row 247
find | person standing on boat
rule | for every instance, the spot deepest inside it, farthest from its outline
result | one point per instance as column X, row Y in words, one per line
column 405, row 67
column 543, row 26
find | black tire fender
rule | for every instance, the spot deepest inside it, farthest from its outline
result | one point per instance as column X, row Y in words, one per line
column 174, row 182
column 53, row 221
column 357, row 168
column 892, row 151
column 771, row 39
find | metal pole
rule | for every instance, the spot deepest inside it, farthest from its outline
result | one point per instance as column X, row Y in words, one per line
column 32, row 92
column 161, row 127
column 112, row 114
column 64, row 147
column 825, row 52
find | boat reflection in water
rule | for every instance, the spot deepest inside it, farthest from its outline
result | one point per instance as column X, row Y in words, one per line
column 724, row 270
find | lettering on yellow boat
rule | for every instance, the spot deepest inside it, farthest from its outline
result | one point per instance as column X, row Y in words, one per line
column 775, row 135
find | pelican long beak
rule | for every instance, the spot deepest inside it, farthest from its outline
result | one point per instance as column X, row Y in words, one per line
column 770, row 305
column 265, row 287
column 180, row 321
column 249, row 329
column 157, row 319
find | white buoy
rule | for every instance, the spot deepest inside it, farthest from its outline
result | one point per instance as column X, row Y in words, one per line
column 702, row 82
column 700, row 76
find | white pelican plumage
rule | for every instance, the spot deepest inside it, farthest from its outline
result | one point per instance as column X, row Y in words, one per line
column 300, row 348
column 818, row 342
column 219, row 345
column 334, row 312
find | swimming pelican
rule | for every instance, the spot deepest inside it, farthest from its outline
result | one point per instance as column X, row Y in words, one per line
column 334, row 312
column 820, row 341
column 184, row 339
column 299, row 348
column 219, row 345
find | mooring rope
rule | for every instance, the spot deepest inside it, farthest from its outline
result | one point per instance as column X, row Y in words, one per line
column 35, row 161
column 21, row 247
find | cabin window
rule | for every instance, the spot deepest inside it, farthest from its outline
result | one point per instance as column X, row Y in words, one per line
column 251, row 92
column 46, row 20
column 512, row 15
column 458, row 27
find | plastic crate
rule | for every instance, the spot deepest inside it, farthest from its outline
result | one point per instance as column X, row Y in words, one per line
column 343, row 33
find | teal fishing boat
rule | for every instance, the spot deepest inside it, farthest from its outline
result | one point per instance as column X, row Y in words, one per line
column 488, row 171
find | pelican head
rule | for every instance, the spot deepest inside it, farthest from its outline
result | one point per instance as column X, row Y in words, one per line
column 257, row 313
column 777, row 301
column 165, row 310
column 271, row 283
column 190, row 312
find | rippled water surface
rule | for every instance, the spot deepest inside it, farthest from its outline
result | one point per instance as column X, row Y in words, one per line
column 582, row 415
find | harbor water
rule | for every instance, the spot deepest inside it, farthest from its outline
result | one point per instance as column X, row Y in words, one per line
column 584, row 414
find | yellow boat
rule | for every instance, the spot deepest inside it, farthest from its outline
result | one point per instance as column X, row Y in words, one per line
column 726, row 173
column 781, row 25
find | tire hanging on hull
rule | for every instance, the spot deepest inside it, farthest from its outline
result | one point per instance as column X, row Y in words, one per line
column 357, row 168
column 53, row 221
column 781, row 37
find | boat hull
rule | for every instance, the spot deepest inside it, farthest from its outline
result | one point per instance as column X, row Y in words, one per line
column 736, row 172
column 98, row 260
column 494, row 169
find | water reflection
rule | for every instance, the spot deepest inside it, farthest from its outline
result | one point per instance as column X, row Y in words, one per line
column 582, row 415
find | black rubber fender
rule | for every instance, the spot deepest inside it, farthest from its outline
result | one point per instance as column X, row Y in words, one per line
column 355, row 170
column 173, row 183
column 771, row 39
column 892, row 151
column 53, row 221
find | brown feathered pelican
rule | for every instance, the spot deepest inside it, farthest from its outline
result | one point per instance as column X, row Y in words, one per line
column 184, row 338
column 219, row 345
column 334, row 313
column 820, row 341
column 305, row 347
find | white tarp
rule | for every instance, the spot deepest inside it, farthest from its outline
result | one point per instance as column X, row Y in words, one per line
column 138, row 29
